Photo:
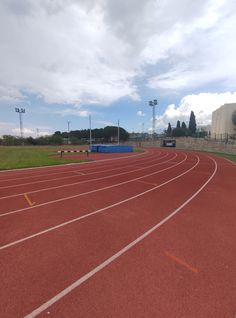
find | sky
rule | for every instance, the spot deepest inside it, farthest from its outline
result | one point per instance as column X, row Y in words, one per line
column 63, row 60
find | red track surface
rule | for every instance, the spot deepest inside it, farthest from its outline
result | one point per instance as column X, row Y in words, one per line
column 151, row 235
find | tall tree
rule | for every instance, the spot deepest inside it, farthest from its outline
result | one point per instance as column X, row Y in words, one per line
column 169, row 130
column 183, row 126
column 178, row 124
column 234, row 117
column 192, row 124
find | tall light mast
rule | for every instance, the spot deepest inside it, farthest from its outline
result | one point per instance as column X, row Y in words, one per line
column 153, row 103
column 20, row 111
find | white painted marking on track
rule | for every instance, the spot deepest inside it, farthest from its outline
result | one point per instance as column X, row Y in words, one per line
column 95, row 163
column 50, row 180
column 111, row 259
column 97, row 211
column 89, row 180
column 89, row 192
column 84, row 181
column 78, row 172
column 74, row 163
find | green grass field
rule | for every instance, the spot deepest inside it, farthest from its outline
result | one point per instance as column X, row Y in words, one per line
column 22, row 157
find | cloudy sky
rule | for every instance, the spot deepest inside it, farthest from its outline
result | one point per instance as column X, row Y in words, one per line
column 63, row 60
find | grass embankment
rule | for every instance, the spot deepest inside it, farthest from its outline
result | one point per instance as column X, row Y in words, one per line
column 23, row 157
column 226, row 156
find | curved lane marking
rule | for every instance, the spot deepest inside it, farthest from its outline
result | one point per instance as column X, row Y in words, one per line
column 84, row 181
column 96, row 211
column 108, row 261
column 61, row 178
column 74, row 163
column 89, row 192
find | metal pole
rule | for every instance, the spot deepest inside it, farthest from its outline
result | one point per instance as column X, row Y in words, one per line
column 21, row 125
column 153, row 121
column 90, row 132
column 68, row 124
column 153, row 105
column 118, row 137
column 21, row 111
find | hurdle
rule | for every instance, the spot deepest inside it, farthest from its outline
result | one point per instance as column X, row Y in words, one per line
column 69, row 151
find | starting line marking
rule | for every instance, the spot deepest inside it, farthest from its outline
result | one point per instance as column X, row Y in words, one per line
column 97, row 269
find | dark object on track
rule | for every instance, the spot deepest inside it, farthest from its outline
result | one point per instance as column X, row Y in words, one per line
column 168, row 143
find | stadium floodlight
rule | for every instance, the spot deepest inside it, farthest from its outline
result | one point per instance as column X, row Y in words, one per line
column 90, row 132
column 68, row 126
column 20, row 111
column 153, row 103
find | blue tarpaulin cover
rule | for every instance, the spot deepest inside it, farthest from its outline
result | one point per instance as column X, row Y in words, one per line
column 111, row 148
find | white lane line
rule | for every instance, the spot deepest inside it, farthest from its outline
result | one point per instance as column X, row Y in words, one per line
column 96, row 211
column 37, row 175
column 89, row 192
column 80, row 173
column 86, row 181
column 56, row 179
column 111, row 259
column 74, row 163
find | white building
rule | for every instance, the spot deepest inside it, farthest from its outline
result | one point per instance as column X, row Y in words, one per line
column 222, row 126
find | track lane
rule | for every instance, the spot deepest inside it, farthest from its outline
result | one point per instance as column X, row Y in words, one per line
column 36, row 218
column 64, row 192
column 31, row 173
column 145, row 283
column 16, row 189
column 114, row 231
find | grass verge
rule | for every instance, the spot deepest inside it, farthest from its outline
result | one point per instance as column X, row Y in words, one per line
column 226, row 156
column 25, row 157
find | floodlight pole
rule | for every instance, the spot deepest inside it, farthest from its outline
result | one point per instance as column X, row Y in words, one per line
column 153, row 105
column 68, row 125
column 90, row 132
column 20, row 111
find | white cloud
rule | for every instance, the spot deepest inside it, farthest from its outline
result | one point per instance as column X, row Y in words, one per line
column 199, row 53
column 26, row 131
column 141, row 113
column 91, row 52
column 202, row 105
column 64, row 52
column 6, row 128
column 9, row 128
column 103, row 123
column 10, row 95
column 73, row 112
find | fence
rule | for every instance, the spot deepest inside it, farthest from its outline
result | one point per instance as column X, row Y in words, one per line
column 211, row 145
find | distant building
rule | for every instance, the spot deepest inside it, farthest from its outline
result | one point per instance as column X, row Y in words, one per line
column 222, row 126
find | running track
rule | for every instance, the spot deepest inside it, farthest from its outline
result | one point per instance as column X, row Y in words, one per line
column 147, row 235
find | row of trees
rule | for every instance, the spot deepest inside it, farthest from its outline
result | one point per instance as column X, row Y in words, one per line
column 107, row 134
column 181, row 129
